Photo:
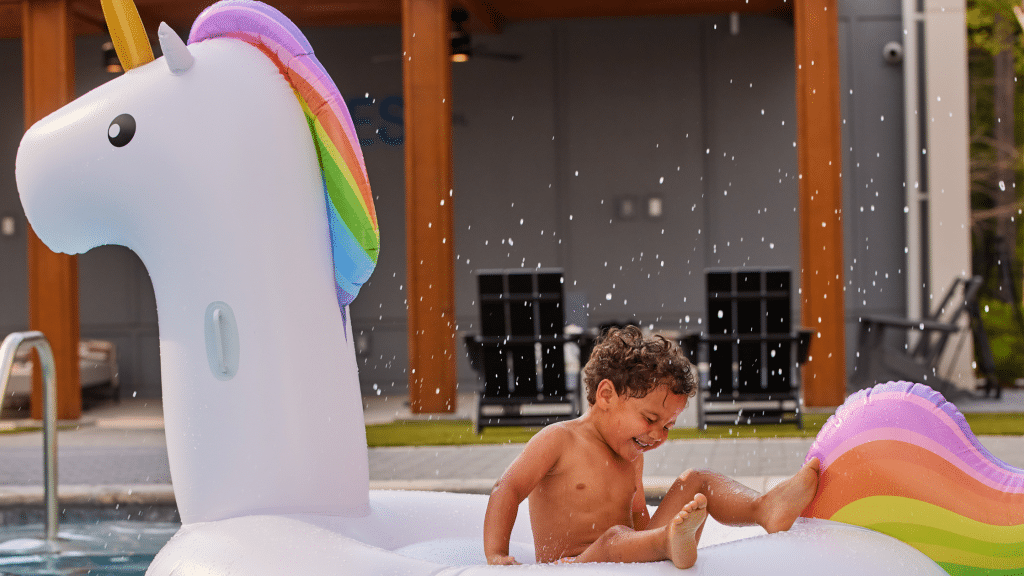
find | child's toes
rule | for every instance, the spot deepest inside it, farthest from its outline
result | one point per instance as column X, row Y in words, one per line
column 682, row 535
column 699, row 501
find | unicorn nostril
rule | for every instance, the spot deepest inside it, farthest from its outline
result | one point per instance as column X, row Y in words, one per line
column 121, row 130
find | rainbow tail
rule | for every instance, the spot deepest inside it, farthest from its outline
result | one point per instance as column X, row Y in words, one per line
column 355, row 237
column 901, row 460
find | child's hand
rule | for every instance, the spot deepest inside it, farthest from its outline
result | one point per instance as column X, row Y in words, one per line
column 501, row 560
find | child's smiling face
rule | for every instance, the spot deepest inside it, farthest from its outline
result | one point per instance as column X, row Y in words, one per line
column 637, row 425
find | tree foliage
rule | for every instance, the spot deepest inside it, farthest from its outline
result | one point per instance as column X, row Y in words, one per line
column 982, row 19
column 996, row 64
column 982, row 30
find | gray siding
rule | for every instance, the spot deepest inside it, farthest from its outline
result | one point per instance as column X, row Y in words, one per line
column 13, row 278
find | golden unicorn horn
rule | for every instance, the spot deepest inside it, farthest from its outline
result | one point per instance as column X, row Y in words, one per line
column 127, row 33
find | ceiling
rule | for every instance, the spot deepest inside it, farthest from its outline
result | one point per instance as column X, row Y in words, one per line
column 487, row 16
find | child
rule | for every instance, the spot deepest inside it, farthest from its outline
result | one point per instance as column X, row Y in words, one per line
column 584, row 477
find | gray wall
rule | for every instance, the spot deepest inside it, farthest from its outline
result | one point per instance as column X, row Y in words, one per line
column 14, row 274
column 545, row 148
column 873, row 164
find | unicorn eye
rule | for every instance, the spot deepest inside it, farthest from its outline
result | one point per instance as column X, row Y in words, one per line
column 121, row 130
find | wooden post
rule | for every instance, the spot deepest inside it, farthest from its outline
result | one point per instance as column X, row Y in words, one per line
column 426, row 69
column 821, row 198
column 49, row 80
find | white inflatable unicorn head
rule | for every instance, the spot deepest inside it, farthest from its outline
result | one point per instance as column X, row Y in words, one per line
column 203, row 163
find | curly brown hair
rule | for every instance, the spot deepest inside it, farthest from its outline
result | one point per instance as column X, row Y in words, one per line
column 637, row 365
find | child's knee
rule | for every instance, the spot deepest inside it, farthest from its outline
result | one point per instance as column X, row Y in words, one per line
column 608, row 547
column 612, row 534
column 690, row 478
column 693, row 481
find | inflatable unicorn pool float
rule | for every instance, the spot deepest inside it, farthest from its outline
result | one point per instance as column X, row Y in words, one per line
column 231, row 167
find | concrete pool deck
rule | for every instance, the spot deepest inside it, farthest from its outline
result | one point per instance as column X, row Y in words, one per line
column 116, row 454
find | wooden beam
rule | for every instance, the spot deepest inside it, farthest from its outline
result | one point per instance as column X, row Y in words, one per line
column 85, row 21
column 483, row 16
column 488, row 16
column 49, row 83
column 90, row 15
column 426, row 70
column 10, row 20
column 516, row 11
column 347, row 13
column 821, row 198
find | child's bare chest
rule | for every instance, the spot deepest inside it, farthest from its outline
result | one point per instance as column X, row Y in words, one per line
column 588, row 491
column 596, row 484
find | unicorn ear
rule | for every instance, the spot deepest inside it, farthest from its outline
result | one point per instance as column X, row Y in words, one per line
column 178, row 58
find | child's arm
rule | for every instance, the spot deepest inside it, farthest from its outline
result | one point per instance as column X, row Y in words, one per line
column 519, row 479
column 641, row 516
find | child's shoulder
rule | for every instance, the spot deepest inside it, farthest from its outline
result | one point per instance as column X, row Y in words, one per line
column 558, row 433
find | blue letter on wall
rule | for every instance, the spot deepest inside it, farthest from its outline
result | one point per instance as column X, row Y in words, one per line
column 353, row 108
column 388, row 117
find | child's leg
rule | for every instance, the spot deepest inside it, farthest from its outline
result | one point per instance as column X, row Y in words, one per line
column 675, row 541
column 732, row 503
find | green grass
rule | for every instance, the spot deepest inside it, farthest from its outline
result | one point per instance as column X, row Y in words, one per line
column 34, row 428
column 996, row 424
column 460, row 432
column 442, row 433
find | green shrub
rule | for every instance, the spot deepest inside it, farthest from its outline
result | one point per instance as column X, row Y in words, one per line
column 1005, row 338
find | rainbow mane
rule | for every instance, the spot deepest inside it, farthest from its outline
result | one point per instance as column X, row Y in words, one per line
column 901, row 460
column 355, row 237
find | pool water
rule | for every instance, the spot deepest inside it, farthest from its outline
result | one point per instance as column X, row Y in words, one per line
column 108, row 548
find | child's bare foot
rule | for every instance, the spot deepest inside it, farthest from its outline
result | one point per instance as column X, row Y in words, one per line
column 782, row 505
column 682, row 532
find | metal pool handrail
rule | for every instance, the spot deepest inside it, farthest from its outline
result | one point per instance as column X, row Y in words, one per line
column 8, row 349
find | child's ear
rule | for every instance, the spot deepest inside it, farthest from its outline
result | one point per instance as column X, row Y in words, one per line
column 605, row 393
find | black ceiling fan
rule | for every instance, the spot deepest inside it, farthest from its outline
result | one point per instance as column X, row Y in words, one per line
column 463, row 48
column 462, row 44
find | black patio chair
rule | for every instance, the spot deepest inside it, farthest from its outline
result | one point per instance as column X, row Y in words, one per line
column 749, row 357
column 520, row 351
column 883, row 352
